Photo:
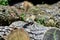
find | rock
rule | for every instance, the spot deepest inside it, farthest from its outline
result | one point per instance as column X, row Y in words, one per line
column 30, row 18
column 50, row 22
column 39, row 32
column 17, row 24
column 9, row 14
column 3, row 30
column 35, row 31
column 57, row 4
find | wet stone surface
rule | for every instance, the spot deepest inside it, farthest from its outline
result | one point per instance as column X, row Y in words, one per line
column 35, row 31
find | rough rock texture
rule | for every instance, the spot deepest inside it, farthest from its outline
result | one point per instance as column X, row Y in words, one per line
column 35, row 31
column 9, row 14
column 45, row 13
column 48, row 17
column 41, row 13
column 39, row 32
column 5, row 30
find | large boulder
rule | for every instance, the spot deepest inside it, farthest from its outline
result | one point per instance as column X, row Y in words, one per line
column 34, row 30
column 40, row 32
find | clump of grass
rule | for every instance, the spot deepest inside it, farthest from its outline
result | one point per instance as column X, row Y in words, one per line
column 3, row 2
column 22, row 16
column 40, row 20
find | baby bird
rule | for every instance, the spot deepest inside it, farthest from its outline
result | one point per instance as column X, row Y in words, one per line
column 18, row 34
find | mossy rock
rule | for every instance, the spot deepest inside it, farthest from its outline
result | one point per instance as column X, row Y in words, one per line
column 52, row 34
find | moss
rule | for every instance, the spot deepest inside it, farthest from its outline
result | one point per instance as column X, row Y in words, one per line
column 40, row 21
column 22, row 16
column 3, row 2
